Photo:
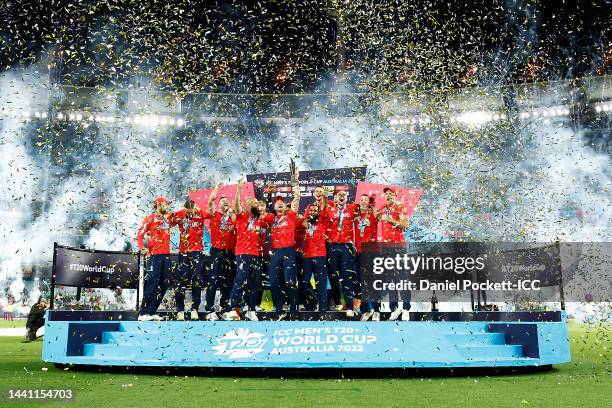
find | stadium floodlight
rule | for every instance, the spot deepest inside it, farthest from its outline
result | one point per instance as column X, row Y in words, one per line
column 475, row 118
column 71, row 116
column 60, row 116
column 180, row 122
column 79, row 116
column 37, row 114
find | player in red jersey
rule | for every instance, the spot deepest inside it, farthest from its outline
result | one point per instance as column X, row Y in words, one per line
column 283, row 233
column 394, row 222
column 249, row 228
column 342, row 248
column 264, row 251
column 325, row 206
column 156, row 228
column 320, row 196
column 222, row 259
column 305, row 291
column 315, row 252
column 190, row 271
column 366, row 230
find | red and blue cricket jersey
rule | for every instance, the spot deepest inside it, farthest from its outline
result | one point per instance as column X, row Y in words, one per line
column 156, row 228
column 249, row 231
column 341, row 223
column 282, row 229
column 390, row 232
column 366, row 229
column 191, row 228
column 222, row 230
column 315, row 237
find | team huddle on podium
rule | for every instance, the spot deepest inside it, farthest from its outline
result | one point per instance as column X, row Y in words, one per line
column 253, row 237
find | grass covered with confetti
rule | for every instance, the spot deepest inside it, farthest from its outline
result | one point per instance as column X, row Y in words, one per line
column 586, row 381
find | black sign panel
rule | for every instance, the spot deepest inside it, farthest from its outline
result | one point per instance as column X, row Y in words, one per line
column 331, row 179
column 499, row 268
column 95, row 269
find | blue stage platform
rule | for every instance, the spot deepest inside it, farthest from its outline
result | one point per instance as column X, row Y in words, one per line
column 485, row 339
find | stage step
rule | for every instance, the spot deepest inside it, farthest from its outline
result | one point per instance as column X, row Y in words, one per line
column 154, row 345
column 132, row 351
column 301, row 344
column 497, row 355
column 142, row 338
column 488, row 352
column 467, row 339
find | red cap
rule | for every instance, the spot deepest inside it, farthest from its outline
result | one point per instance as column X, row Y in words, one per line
column 391, row 189
column 277, row 198
column 160, row 200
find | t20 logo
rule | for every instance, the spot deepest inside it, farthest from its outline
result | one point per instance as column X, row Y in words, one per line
column 240, row 343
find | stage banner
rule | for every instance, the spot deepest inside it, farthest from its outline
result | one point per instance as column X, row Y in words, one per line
column 331, row 179
column 506, row 271
column 306, row 344
column 229, row 190
column 95, row 269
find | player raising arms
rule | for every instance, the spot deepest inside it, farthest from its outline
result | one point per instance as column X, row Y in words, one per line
column 223, row 239
column 190, row 271
column 156, row 227
column 394, row 222
column 249, row 260
column 283, row 233
column 366, row 230
column 342, row 248
column 315, row 252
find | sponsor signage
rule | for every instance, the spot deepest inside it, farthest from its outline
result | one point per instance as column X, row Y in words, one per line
column 95, row 269
column 331, row 179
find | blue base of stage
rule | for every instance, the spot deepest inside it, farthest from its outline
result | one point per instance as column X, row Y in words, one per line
column 472, row 342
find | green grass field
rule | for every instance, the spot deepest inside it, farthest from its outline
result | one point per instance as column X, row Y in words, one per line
column 11, row 324
column 586, row 381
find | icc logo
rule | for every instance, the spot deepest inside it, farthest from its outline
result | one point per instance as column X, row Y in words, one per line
column 241, row 343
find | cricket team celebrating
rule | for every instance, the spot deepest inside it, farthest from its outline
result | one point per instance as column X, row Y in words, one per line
column 253, row 238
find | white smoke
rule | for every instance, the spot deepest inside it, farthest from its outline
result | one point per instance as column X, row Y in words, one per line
column 524, row 187
column 28, row 239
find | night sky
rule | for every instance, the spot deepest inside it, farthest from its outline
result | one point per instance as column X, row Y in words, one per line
column 298, row 46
